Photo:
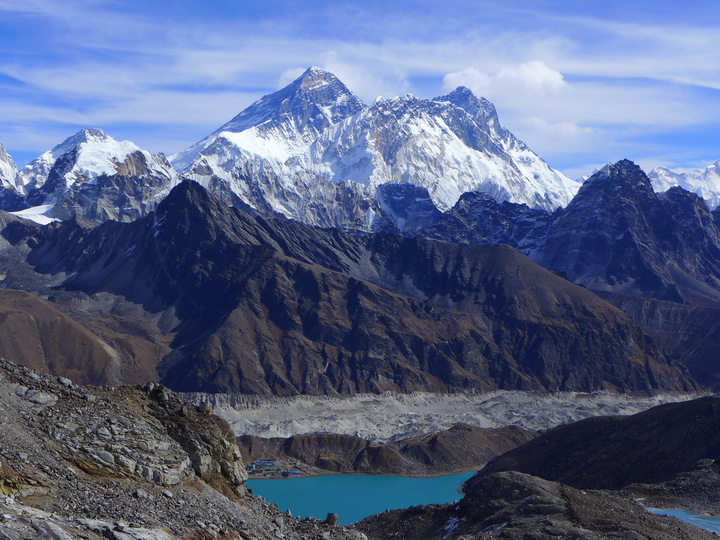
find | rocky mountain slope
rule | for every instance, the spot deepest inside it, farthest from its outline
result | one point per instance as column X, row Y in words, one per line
column 479, row 219
column 125, row 463
column 619, row 235
column 515, row 506
column 273, row 306
column 94, row 176
column 614, row 451
column 689, row 334
column 313, row 152
column 654, row 255
column 460, row 448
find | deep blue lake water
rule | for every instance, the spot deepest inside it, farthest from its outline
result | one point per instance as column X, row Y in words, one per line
column 710, row 523
column 355, row 496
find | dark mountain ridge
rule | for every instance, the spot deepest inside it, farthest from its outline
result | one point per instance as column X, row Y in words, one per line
column 275, row 306
column 611, row 452
column 616, row 235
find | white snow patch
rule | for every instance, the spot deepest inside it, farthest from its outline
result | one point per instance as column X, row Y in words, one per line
column 704, row 182
column 36, row 214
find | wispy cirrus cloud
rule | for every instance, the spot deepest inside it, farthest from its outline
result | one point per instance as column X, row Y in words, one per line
column 579, row 83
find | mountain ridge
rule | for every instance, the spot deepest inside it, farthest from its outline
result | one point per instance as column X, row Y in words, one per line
column 275, row 306
column 92, row 175
column 274, row 163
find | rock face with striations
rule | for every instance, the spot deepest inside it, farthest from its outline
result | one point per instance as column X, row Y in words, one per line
column 688, row 334
column 275, row 306
column 133, row 463
column 459, row 448
column 479, row 219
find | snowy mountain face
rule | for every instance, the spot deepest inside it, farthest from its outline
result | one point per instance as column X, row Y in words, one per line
column 10, row 197
column 255, row 158
column 704, row 182
column 8, row 169
column 95, row 176
column 282, row 124
column 313, row 152
column 449, row 145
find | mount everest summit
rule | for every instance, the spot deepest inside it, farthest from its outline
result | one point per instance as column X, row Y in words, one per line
column 313, row 150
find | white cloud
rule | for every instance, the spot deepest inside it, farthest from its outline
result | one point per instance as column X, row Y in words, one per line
column 525, row 79
column 368, row 82
column 567, row 134
column 289, row 75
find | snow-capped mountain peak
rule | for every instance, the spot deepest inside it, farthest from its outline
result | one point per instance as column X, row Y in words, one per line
column 313, row 101
column 480, row 108
column 705, row 182
column 85, row 156
column 96, row 176
column 84, row 136
column 283, row 123
column 8, row 169
column 449, row 145
column 314, row 139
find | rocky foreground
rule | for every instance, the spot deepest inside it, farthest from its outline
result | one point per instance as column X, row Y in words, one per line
column 515, row 506
column 140, row 463
column 125, row 463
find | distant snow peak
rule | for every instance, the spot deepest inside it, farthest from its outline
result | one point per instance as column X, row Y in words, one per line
column 93, row 175
column 315, row 77
column 8, row 170
column 88, row 154
column 295, row 147
column 86, row 135
column 704, row 182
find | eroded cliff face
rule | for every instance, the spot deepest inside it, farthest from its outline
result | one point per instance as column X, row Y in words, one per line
column 688, row 334
column 123, row 462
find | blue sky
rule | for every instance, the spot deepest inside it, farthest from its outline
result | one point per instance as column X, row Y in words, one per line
column 582, row 83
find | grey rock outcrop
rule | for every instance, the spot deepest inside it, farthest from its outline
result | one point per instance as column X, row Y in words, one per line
column 516, row 506
column 127, row 463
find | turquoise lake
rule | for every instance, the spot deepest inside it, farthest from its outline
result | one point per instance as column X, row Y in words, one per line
column 354, row 496
column 710, row 523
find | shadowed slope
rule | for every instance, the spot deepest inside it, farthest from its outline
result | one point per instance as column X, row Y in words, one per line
column 274, row 306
